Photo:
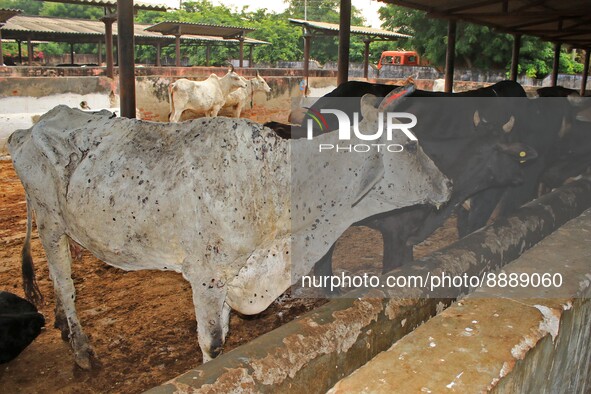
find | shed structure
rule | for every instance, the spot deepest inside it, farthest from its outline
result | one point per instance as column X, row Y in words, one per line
column 558, row 21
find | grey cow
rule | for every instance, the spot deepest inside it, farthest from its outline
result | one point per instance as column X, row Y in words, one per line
column 211, row 199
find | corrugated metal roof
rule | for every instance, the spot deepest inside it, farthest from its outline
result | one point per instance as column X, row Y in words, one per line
column 360, row 30
column 564, row 21
column 7, row 13
column 175, row 27
column 113, row 3
column 42, row 28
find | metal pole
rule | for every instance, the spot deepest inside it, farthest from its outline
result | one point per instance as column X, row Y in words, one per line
column 109, row 46
column 250, row 57
column 515, row 56
column 344, row 42
column 20, row 53
column 241, row 39
column 30, row 51
column 585, row 71
column 158, row 55
column 366, row 59
column 2, row 53
column 177, row 43
column 450, row 56
column 126, row 53
column 100, row 53
column 72, row 53
column 307, row 41
column 555, row 64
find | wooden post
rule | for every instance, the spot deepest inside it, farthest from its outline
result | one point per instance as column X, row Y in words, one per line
column 72, row 54
column 1, row 52
column 555, row 64
column 585, row 71
column 515, row 57
column 20, row 53
column 241, row 40
column 158, row 55
column 307, row 42
column 366, row 59
column 126, row 54
column 250, row 57
column 30, row 51
column 177, row 43
column 450, row 56
column 344, row 42
column 100, row 53
column 108, row 21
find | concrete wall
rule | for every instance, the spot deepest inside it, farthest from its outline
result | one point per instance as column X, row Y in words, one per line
column 501, row 340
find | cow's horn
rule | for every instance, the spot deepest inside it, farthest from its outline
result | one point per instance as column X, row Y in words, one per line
column 507, row 127
column 395, row 95
column 231, row 68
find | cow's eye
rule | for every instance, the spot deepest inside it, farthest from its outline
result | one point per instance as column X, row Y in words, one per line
column 411, row 146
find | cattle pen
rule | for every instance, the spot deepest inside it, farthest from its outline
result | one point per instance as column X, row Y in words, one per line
column 483, row 338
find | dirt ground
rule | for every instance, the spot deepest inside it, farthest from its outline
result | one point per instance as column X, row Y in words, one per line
column 141, row 324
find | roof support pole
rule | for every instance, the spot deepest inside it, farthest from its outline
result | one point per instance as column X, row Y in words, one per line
column 20, row 53
column 108, row 21
column 241, row 40
column 158, row 55
column 126, row 53
column 72, row 54
column 30, row 51
column 250, row 57
column 585, row 71
column 99, row 52
column 450, row 56
column 344, row 42
column 2, row 53
column 207, row 55
column 555, row 64
column 177, row 46
column 515, row 57
column 307, row 42
column 366, row 59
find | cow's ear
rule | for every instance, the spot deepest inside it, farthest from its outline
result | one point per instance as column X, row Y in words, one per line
column 508, row 127
column 369, row 103
column 518, row 151
column 394, row 97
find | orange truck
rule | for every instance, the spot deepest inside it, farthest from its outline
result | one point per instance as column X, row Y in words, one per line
column 399, row 58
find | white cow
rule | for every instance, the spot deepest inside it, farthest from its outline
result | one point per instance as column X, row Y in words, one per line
column 237, row 99
column 203, row 97
column 241, row 214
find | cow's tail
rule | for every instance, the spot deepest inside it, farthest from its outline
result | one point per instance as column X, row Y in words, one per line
column 30, row 286
column 170, row 87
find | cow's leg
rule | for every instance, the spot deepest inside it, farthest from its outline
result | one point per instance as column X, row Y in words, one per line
column 57, row 249
column 395, row 251
column 176, row 115
column 211, row 311
column 323, row 269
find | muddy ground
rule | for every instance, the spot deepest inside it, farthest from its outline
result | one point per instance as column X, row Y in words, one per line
column 141, row 324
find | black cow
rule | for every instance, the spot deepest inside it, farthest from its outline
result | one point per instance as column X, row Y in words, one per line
column 20, row 324
column 547, row 124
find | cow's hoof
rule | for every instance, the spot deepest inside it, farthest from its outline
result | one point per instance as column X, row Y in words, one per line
column 86, row 360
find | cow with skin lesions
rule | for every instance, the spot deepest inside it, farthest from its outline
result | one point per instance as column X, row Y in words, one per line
column 219, row 200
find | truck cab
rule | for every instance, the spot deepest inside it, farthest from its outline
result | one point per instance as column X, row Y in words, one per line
column 399, row 58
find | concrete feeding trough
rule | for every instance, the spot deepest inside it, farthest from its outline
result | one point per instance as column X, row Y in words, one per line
column 329, row 343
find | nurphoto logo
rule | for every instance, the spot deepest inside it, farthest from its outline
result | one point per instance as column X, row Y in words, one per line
column 391, row 125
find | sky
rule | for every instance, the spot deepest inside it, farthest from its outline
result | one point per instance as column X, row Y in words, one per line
column 369, row 8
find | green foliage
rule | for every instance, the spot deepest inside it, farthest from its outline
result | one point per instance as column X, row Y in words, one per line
column 27, row 6
column 476, row 46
